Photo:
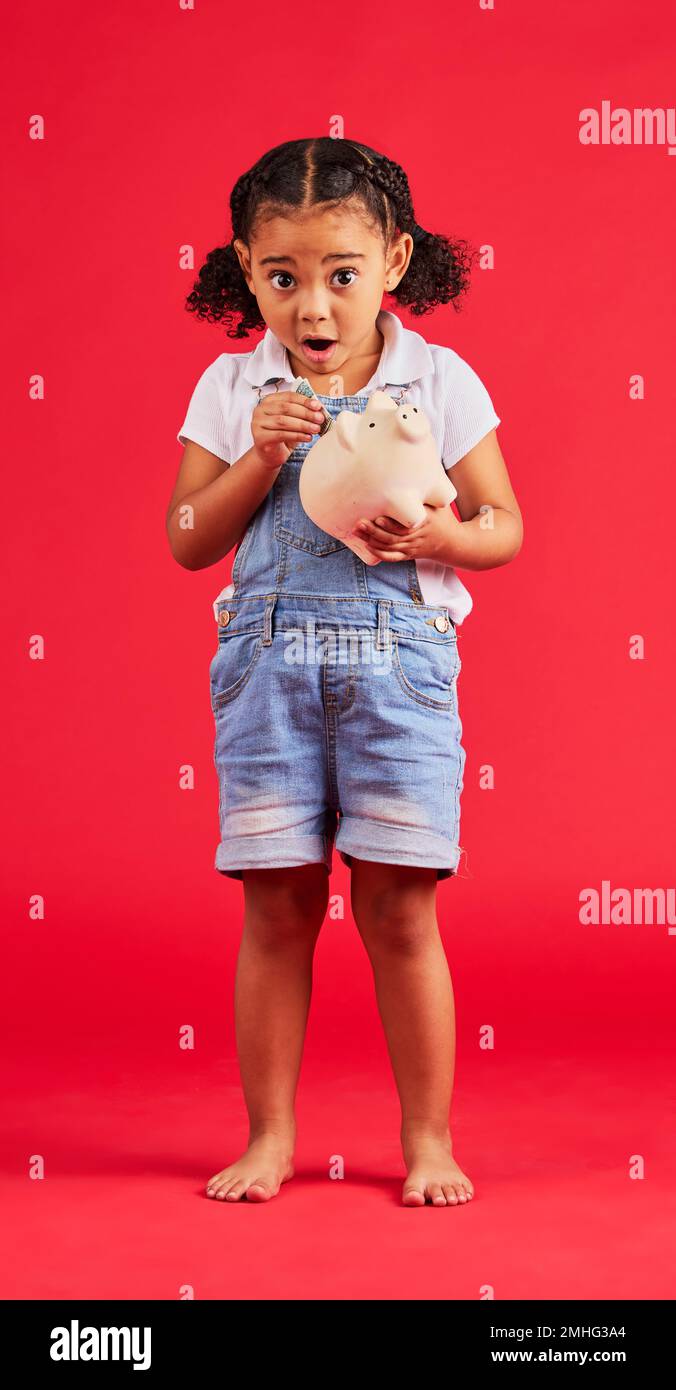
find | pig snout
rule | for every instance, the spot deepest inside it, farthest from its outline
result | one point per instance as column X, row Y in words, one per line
column 410, row 426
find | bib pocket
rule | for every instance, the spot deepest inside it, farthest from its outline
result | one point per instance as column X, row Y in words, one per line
column 292, row 523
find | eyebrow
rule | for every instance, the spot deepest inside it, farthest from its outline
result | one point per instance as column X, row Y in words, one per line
column 335, row 256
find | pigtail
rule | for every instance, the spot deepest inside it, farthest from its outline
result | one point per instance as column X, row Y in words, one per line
column 439, row 273
column 439, row 270
column 221, row 294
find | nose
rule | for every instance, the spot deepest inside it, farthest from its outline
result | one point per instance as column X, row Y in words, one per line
column 314, row 309
column 316, row 325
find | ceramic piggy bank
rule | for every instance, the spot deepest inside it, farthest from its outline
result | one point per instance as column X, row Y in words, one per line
column 381, row 463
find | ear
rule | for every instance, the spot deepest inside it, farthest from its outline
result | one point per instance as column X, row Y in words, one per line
column 347, row 429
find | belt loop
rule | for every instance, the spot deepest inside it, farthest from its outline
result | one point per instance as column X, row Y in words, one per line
column 267, row 624
column 383, row 636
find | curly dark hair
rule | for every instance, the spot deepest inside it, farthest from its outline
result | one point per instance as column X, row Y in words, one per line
column 300, row 174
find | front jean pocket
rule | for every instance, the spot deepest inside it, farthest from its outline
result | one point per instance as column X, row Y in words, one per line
column 232, row 667
column 292, row 523
column 427, row 671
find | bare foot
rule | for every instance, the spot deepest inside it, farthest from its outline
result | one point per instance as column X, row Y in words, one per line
column 433, row 1174
column 259, row 1173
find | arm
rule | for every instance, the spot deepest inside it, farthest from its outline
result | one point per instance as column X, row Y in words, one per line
column 481, row 539
column 212, row 504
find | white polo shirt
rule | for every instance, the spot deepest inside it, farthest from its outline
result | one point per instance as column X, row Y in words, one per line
column 441, row 383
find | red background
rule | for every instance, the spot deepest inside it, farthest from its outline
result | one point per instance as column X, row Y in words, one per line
column 151, row 114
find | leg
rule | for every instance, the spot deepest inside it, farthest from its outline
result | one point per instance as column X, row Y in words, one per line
column 284, row 911
column 394, row 908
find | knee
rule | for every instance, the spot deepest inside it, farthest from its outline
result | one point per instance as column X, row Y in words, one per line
column 395, row 920
column 285, row 911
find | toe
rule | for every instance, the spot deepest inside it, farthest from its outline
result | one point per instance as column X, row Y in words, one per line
column 435, row 1194
column 460, row 1192
column 449, row 1193
column 234, row 1192
column 413, row 1197
column 215, row 1183
column 259, row 1191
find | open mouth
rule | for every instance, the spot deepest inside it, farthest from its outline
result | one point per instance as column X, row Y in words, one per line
column 318, row 349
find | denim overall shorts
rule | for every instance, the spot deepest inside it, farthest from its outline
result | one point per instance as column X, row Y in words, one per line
column 334, row 695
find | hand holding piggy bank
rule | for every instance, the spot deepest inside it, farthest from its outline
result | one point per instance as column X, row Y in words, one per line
column 382, row 463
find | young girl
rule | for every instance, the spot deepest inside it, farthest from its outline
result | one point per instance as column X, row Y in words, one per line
column 364, row 752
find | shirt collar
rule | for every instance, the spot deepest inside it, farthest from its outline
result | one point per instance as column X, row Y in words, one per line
column 405, row 357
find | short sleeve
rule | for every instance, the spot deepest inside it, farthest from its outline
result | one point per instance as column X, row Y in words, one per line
column 208, row 410
column 469, row 413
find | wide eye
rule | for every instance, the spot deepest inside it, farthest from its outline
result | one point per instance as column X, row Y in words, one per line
column 287, row 275
column 343, row 285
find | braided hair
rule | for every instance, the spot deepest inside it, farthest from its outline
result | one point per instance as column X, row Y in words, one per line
column 301, row 174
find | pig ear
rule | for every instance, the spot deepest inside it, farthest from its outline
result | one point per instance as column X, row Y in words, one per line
column 347, row 429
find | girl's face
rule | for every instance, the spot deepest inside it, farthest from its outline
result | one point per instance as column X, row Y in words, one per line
column 323, row 273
